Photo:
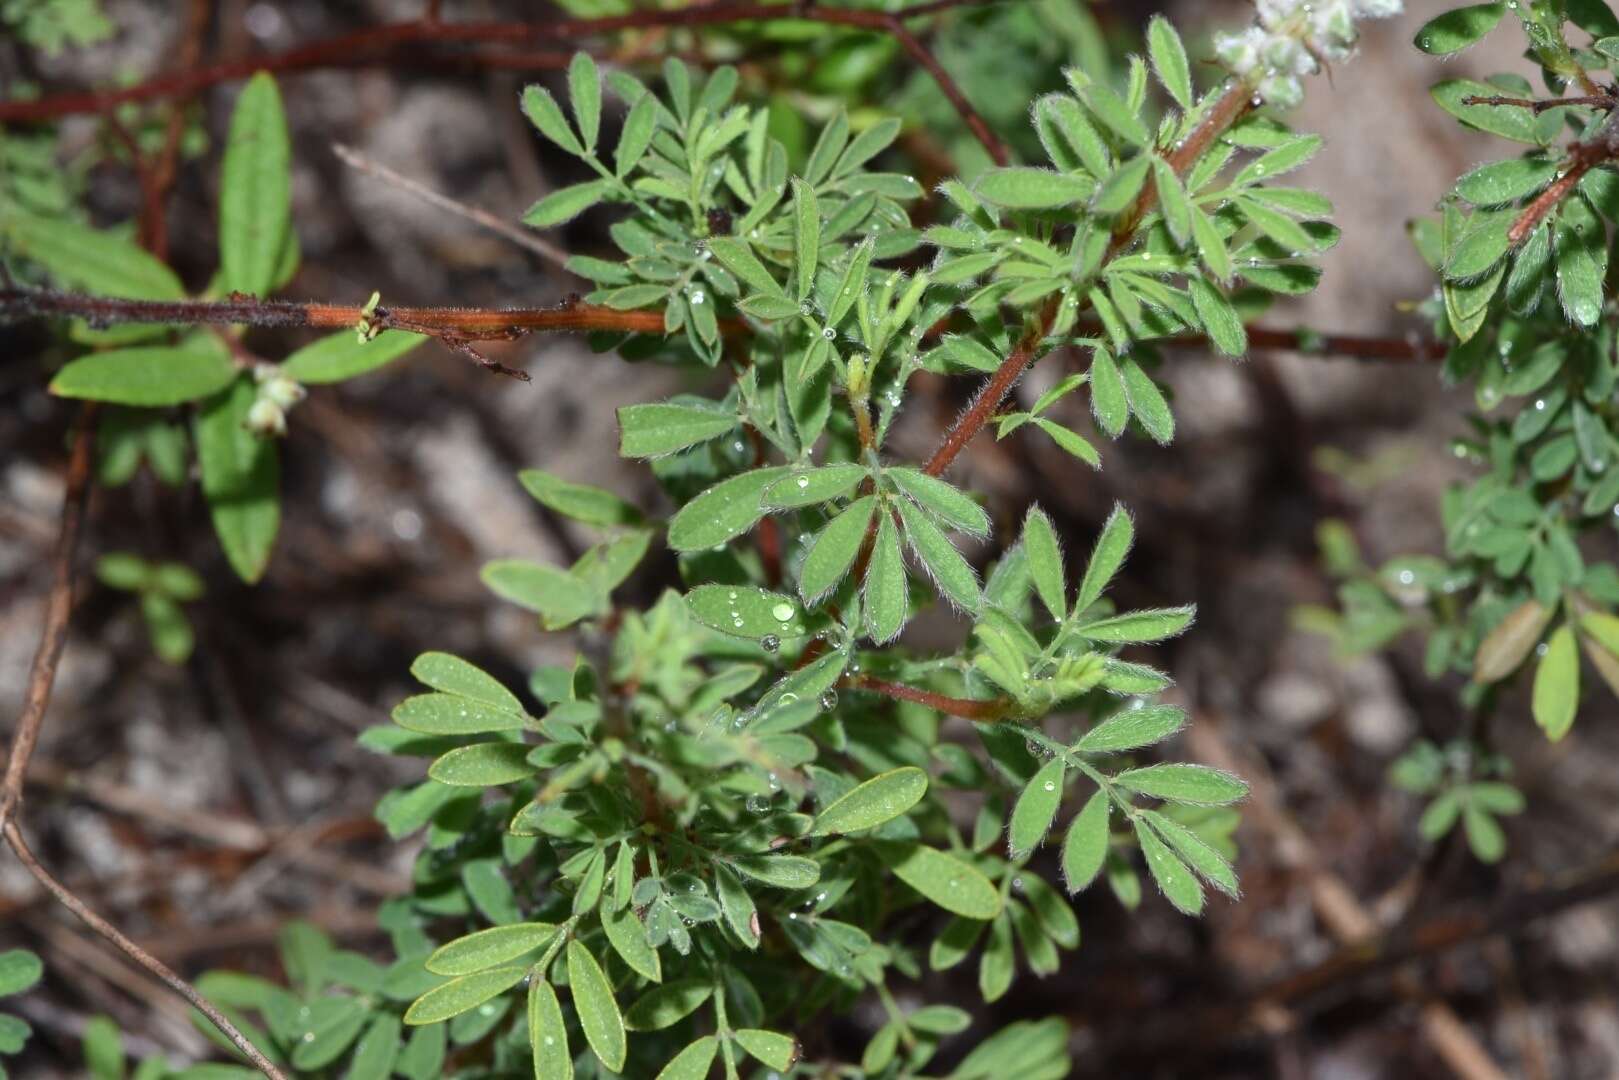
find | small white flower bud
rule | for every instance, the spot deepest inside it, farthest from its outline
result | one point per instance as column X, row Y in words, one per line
column 1282, row 91
column 266, row 418
column 283, row 391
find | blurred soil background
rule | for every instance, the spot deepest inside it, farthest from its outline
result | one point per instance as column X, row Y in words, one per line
column 199, row 807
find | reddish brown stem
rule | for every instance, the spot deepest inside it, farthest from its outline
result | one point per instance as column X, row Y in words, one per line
column 1227, row 109
column 1598, row 101
column 968, row 708
column 376, row 45
column 53, row 638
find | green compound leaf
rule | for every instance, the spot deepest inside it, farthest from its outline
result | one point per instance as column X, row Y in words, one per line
column 483, row 765
column 255, row 190
column 834, row 550
column 747, row 611
column 944, row 879
column 1458, row 28
column 1132, row 728
column 343, row 356
column 151, row 375
column 1036, row 809
column 882, row 798
column 649, row 431
column 723, row 512
column 241, row 478
column 462, row 995
column 597, row 1008
column 548, row 1033
column 1195, row 784
column 1084, row 848
column 494, row 947
column 887, row 593
column 1209, row 864
column 1178, row 884
column 1557, row 684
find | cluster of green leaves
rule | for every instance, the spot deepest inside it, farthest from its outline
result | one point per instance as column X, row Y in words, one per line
column 19, row 970
column 161, row 589
column 146, row 370
column 1461, row 783
column 53, row 25
column 1522, row 302
column 720, row 822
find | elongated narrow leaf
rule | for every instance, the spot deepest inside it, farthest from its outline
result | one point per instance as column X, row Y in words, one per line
column 544, row 113
column 1219, row 318
column 98, row 261
column 1025, row 188
column 1147, row 403
column 343, row 356
column 887, row 594
column 834, row 550
column 723, row 512
column 668, row 1004
column 1109, row 404
column 807, row 217
column 1195, row 784
column 494, row 947
column 1459, row 28
column 1174, row 879
column 627, row 935
column 1513, row 638
column 954, row 576
column 548, row 1033
column 807, row 487
column 566, row 203
column 944, row 879
column 747, row 611
column 882, row 798
column 1129, row 729
column 1557, row 684
column 949, row 504
column 647, row 431
column 1173, row 200
column 241, row 478
column 782, row 871
column 450, row 714
column 1084, row 848
column 1045, row 562
column 692, row 1063
column 585, row 90
column 1154, row 624
column 1036, row 808
column 1208, row 864
column 255, row 190
column 483, row 765
column 1169, row 60
column 598, row 1010
column 771, row 1047
column 736, row 256
column 150, row 375
column 463, row 994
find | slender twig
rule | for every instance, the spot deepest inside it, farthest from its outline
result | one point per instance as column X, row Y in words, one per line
column 1538, row 106
column 1227, row 109
column 377, row 45
column 53, row 638
column 969, row 708
column 67, row 898
column 527, row 240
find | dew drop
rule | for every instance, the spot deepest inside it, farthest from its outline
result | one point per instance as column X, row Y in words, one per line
column 770, row 643
column 803, row 482
column 829, row 700
column 828, row 333
column 782, row 612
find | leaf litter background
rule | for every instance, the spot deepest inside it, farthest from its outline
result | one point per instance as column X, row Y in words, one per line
column 201, row 807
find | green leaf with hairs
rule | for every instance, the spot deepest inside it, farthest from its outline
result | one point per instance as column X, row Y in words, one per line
column 255, row 190
column 879, row 799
